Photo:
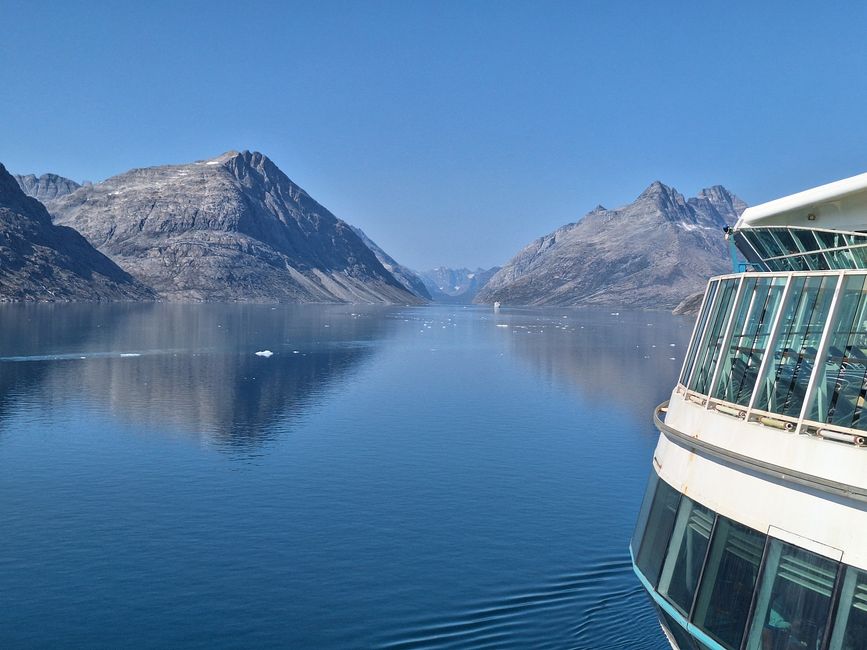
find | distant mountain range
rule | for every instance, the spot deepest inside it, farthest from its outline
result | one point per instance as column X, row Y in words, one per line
column 43, row 262
column 651, row 253
column 456, row 286
column 234, row 228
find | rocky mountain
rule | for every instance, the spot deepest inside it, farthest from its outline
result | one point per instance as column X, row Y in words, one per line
column 458, row 286
column 46, row 187
column 234, row 228
column 43, row 262
column 650, row 253
column 406, row 276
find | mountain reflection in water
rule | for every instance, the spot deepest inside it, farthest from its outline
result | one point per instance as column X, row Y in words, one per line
column 190, row 368
column 392, row 477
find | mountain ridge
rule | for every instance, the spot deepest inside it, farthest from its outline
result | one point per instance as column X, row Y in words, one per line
column 652, row 252
column 231, row 228
column 40, row 261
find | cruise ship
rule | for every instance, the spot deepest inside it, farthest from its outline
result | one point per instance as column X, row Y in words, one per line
column 753, row 530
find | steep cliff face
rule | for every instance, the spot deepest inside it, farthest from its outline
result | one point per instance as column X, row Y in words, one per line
column 650, row 253
column 43, row 262
column 234, row 228
column 406, row 276
column 46, row 187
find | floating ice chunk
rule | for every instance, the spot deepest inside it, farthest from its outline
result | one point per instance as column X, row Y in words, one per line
column 264, row 353
column 130, row 354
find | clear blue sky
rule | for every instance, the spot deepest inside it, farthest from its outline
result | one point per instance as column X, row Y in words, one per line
column 452, row 132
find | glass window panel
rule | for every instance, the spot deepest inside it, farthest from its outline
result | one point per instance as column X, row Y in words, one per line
column 657, row 531
column 806, row 239
column 774, row 244
column 786, row 240
column 840, row 390
column 830, row 239
column 710, row 294
column 794, row 599
column 746, row 248
column 728, row 582
column 757, row 240
column 841, row 259
column 859, row 257
column 712, row 341
column 746, row 347
column 850, row 628
column 784, row 383
column 685, row 557
column 644, row 513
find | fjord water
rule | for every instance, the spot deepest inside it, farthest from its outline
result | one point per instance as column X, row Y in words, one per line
column 400, row 477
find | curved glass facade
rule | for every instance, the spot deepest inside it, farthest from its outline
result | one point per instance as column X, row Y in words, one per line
column 787, row 248
column 719, row 584
column 792, row 345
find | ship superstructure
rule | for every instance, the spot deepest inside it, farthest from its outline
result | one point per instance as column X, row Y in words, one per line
column 753, row 530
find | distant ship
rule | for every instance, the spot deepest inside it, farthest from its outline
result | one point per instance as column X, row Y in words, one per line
column 753, row 530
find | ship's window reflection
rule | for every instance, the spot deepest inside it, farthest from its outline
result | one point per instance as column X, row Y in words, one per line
column 686, row 552
column 746, row 348
column 794, row 599
column 657, row 532
column 850, row 628
column 728, row 582
column 712, row 340
column 782, row 388
column 841, row 385
column 699, row 330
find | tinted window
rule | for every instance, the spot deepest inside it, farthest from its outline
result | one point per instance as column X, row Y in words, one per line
column 709, row 351
column 783, row 387
column 728, row 582
column 644, row 513
column 657, row 531
column 841, row 385
column 686, row 552
column 850, row 628
column 794, row 599
column 746, row 347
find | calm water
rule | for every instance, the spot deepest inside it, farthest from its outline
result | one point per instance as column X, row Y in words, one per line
column 438, row 477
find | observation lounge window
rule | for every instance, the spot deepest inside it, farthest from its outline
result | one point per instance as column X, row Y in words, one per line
column 712, row 340
column 850, row 628
column 760, row 303
column 657, row 531
column 783, row 387
column 794, row 599
column 699, row 330
column 727, row 584
column 686, row 553
column 841, row 385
